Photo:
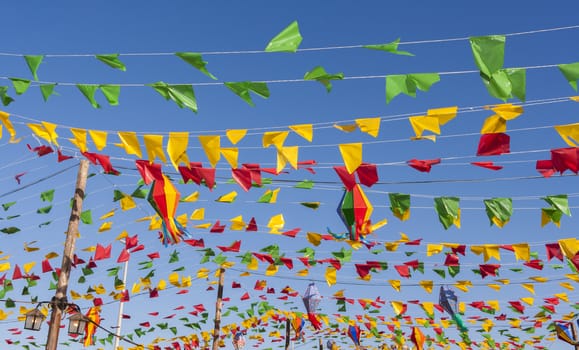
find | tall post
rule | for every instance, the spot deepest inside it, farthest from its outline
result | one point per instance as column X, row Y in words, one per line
column 287, row 333
column 218, row 305
column 121, row 306
column 574, row 332
column 59, row 301
column 320, row 344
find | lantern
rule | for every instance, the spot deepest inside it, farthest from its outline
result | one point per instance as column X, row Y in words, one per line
column 34, row 319
column 77, row 324
column 311, row 300
column 164, row 198
column 449, row 301
column 355, row 210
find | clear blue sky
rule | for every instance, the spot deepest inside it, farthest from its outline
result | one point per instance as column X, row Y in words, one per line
column 84, row 29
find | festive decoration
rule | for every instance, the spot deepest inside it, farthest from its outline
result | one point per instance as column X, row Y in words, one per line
column 311, row 301
column 355, row 210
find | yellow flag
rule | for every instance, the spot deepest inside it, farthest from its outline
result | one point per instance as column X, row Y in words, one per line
column 303, row 272
column 127, row 203
column 421, row 123
column 237, row 223
column 529, row 286
column 174, row 279
column 198, row 214
column 304, row 130
column 193, row 197
column 314, row 238
column 494, row 286
column 203, row 273
column 563, row 296
column 398, row 307
column 287, row 155
column 391, row 246
column 5, row 118
column 276, row 223
column 227, row 198
column 253, row 264
column 234, row 136
column 231, row 154
column 522, row 251
column 177, row 148
column 370, row 126
column 28, row 266
column 569, row 247
column 528, row 300
column 463, row 285
column 99, row 138
column 569, row 133
column 567, row 285
column 330, row 276
column 46, row 131
column 491, row 251
column 428, row 307
column 346, row 128
column 276, row 138
column 427, row 285
column 352, row 155
column 79, row 138
column 212, row 146
column 444, row 115
column 507, row 111
column 395, row 284
column 105, row 226
column 130, row 143
column 182, row 219
column 494, row 124
column 154, row 146
column 108, row 214
column 494, row 304
column 432, row 249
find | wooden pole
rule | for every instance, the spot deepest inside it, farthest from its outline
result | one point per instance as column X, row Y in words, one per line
column 287, row 333
column 59, row 301
column 320, row 344
column 218, row 305
column 574, row 332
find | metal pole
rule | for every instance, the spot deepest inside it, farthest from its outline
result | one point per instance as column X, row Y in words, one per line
column 218, row 305
column 59, row 301
column 121, row 306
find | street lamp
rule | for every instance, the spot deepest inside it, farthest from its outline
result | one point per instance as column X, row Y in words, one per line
column 77, row 322
column 34, row 319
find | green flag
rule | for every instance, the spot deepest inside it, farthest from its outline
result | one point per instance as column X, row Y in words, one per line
column 571, row 73
column 47, row 196
column 20, row 85
column 243, row 88
column 196, row 61
column 319, row 74
column 448, row 210
column 499, row 210
column 408, row 83
column 6, row 100
column 182, row 95
column 86, row 217
column 400, row 205
column 112, row 60
column 288, row 40
column 88, row 91
column 488, row 52
column 47, row 90
column 390, row 47
column 33, row 62
column 111, row 93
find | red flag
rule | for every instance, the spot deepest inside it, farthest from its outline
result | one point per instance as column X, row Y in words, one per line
column 234, row 247
column 545, row 167
column 494, row 144
column 102, row 252
column 195, row 242
column 534, row 264
column 217, row 228
column 62, row 157
column 252, row 226
column 488, row 269
column 149, row 172
column 46, row 267
column 423, row 165
column 349, row 180
column 103, row 160
column 487, row 165
column 245, row 296
column 565, row 159
column 41, row 150
column 554, row 251
column 124, row 256
column 403, row 270
column 363, row 270
column 368, row 174
column 292, row 233
column 243, row 177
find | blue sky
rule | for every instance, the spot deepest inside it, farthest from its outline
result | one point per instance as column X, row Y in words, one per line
column 79, row 31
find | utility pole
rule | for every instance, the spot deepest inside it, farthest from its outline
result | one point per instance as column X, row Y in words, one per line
column 218, row 306
column 121, row 305
column 320, row 344
column 59, row 302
